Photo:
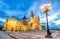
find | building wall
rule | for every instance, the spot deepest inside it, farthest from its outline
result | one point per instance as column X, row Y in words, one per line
column 12, row 24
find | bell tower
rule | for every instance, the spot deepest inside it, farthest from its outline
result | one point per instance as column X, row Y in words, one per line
column 31, row 17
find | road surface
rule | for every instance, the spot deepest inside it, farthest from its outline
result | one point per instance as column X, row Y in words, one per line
column 28, row 35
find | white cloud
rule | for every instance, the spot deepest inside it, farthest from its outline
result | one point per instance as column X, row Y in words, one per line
column 3, row 20
column 50, row 18
column 57, row 22
column 14, row 12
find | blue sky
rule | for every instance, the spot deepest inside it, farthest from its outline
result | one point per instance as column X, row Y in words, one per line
column 19, row 8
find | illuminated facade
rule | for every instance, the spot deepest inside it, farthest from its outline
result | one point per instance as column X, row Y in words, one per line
column 11, row 24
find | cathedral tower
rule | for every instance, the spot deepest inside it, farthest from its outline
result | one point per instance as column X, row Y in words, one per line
column 31, row 17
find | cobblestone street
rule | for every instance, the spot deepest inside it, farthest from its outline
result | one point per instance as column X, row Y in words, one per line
column 28, row 35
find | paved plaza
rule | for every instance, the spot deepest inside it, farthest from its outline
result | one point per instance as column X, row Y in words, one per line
column 29, row 35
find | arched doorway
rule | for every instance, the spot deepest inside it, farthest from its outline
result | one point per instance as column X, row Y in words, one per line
column 11, row 28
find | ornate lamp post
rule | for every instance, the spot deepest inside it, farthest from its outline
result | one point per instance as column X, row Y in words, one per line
column 45, row 8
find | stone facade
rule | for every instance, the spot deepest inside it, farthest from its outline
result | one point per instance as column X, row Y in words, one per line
column 11, row 24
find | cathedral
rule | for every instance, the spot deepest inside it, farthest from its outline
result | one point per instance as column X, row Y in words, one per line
column 11, row 24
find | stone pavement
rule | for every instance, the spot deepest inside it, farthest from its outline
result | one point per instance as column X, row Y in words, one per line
column 4, row 36
column 28, row 35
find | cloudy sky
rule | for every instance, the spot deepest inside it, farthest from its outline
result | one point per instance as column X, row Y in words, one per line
column 19, row 8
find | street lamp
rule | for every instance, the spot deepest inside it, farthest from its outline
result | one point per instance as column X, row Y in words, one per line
column 45, row 8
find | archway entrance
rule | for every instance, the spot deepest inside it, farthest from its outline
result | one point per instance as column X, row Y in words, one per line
column 11, row 28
